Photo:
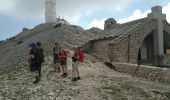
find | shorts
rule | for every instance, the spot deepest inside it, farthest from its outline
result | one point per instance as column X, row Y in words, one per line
column 75, row 65
column 56, row 60
column 35, row 66
column 63, row 62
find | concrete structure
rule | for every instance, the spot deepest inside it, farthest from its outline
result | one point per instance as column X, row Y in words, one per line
column 158, row 36
column 144, row 40
column 50, row 11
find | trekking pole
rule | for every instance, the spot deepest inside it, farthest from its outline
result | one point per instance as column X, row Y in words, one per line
column 137, row 68
column 49, row 77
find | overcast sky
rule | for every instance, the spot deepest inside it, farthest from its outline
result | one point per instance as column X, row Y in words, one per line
column 16, row 14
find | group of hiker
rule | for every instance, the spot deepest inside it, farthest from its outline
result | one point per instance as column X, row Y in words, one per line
column 60, row 55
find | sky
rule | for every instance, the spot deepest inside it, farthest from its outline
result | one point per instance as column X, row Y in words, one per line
column 18, row 14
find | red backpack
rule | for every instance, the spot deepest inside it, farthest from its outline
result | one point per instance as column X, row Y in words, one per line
column 81, row 56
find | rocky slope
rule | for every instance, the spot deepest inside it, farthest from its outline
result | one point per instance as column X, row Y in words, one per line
column 13, row 52
column 98, row 83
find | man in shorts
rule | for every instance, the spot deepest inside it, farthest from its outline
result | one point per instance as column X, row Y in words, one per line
column 34, row 66
column 75, row 63
column 56, row 58
column 63, row 61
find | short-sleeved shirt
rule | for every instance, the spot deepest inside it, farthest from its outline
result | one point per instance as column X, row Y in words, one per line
column 56, row 55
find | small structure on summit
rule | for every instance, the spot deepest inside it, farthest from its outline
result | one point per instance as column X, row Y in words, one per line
column 110, row 23
column 146, row 40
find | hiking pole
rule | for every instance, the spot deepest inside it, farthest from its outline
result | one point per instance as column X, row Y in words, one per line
column 137, row 68
column 49, row 75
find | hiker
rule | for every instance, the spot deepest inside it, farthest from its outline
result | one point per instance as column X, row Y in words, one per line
column 56, row 58
column 63, row 61
column 40, row 57
column 75, row 63
column 33, row 63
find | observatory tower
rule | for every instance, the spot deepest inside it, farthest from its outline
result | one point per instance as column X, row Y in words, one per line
column 50, row 11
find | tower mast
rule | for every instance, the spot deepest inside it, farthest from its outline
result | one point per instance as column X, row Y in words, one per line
column 50, row 11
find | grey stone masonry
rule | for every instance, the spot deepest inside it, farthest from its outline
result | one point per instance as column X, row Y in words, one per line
column 158, row 35
column 126, row 50
column 124, row 41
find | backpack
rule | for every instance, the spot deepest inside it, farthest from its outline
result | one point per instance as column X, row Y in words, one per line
column 81, row 56
column 39, row 56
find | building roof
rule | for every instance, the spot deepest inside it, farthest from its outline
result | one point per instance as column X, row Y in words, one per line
column 121, row 30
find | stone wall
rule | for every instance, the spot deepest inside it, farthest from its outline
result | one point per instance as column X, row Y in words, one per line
column 147, row 72
column 127, row 49
column 99, row 49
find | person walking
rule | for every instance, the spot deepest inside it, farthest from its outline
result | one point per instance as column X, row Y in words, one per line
column 63, row 61
column 39, row 57
column 56, row 58
column 33, row 63
column 75, row 64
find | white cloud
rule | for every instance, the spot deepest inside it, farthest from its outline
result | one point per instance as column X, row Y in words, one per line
column 71, row 10
column 6, row 6
column 137, row 14
column 79, row 8
column 166, row 10
column 97, row 23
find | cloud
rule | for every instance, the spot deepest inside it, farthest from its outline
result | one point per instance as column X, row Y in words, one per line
column 97, row 23
column 79, row 8
column 72, row 10
column 22, row 10
column 137, row 14
column 167, row 12
column 6, row 5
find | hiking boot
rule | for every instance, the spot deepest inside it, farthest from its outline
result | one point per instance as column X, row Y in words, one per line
column 59, row 70
column 74, row 79
column 78, row 78
column 64, row 75
column 40, row 74
column 37, row 80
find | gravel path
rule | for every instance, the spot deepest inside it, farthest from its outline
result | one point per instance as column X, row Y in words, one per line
column 98, row 82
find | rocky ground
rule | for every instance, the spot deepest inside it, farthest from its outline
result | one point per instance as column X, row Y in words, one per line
column 14, row 51
column 98, row 82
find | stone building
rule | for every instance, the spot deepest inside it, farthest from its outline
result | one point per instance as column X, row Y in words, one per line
column 145, row 40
